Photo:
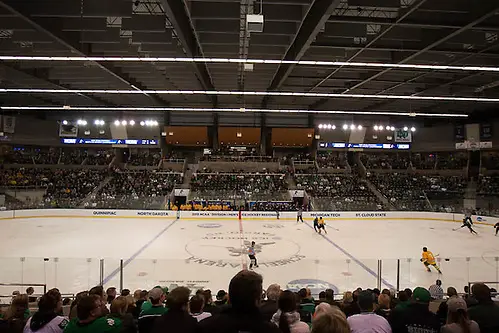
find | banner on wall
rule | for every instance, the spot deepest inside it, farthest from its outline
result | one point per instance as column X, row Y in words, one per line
column 69, row 130
column 459, row 132
column 485, row 132
column 402, row 136
column 9, row 124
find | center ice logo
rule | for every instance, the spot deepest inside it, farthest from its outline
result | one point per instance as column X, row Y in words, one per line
column 225, row 249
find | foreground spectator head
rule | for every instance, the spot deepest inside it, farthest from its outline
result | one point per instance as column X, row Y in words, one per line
column 196, row 304
column 111, row 294
column 408, row 291
column 30, row 291
column 303, row 293
column 89, row 308
column 156, row 296
column 208, row 298
column 17, row 308
column 99, row 291
column 451, row 291
column 458, row 315
column 384, row 301
column 403, row 296
column 273, row 292
column 329, row 295
column 125, row 292
column 137, row 294
column 421, row 295
column 365, row 301
column 481, row 293
column 245, row 290
column 347, row 297
column 286, row 318
column 46, row 316
column 321, row 309
column 178, row 299
column 119, row 306
column 332, row 321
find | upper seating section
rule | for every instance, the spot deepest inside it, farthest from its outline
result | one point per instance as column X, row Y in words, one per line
column 339, row 191
column 410, row 191
column 490, row 160
column 137, row 190
column 331, row 160
column 258, row 186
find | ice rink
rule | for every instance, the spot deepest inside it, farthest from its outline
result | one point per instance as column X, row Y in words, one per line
column 208, row 252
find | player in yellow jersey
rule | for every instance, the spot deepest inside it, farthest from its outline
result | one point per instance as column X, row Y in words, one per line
column 321, row 225
column 428, row 259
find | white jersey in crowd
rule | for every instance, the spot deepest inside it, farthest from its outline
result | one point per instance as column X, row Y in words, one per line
column 56, row 325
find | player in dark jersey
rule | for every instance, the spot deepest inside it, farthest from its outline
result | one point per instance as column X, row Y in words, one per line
column 467, row 223
column 316, row 224
column 497, row 227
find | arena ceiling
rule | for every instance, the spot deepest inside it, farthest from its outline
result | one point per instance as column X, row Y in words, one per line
column 444, row 32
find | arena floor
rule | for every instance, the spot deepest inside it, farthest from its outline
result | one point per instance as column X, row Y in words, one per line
column 207, row 253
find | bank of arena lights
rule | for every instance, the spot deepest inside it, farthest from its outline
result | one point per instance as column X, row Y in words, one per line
column 327, row 126
column 81, row 122
column 99, row 122
column 381, row 128
column 252, row 61
column 246, row 93
column 186, row 109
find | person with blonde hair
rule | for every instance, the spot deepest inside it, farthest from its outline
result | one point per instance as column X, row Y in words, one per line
column 119, row 310
column 16, row 315
column 333, row 320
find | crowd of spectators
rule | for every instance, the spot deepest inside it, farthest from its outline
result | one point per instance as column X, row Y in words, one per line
column 17, row 156
column 332, row 160
column 227, row 186
column 248, row 308
column 423, row 161
column 376, row 161
column 101, row 157
column 391, row 161
column 67, row 188
column 490, row 160
column 452, row 161
column 411, row 191
column 273, row 206
column 25, row 177
column 139, row 190
column 338, row 191
column 149, row 158
column 488, row 185
column 72, row 156
column 46, row 156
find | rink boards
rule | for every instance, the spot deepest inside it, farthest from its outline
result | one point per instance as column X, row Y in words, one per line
column 195, row 215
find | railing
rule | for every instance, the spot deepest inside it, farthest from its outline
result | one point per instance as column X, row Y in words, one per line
column 72, row 275
column 229, row 158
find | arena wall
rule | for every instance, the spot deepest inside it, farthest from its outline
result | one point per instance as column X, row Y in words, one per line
column 111, row 213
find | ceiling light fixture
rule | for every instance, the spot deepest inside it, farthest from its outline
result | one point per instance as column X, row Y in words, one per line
column 152, row 109
column 252, row 61
column 246, row 93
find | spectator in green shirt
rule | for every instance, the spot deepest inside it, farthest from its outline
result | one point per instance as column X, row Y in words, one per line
column 149, row 314
column 90, row 320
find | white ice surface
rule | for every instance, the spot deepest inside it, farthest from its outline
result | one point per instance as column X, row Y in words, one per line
column 157, row 251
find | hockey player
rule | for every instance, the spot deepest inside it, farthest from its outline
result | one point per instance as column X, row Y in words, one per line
column 497, row 227
column 467, row 223
column 428, row 259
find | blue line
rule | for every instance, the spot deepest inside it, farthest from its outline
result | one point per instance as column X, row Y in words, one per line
column 136, row 254
column 357, row 261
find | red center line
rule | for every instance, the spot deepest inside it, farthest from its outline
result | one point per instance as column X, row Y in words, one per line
column 244, row 265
